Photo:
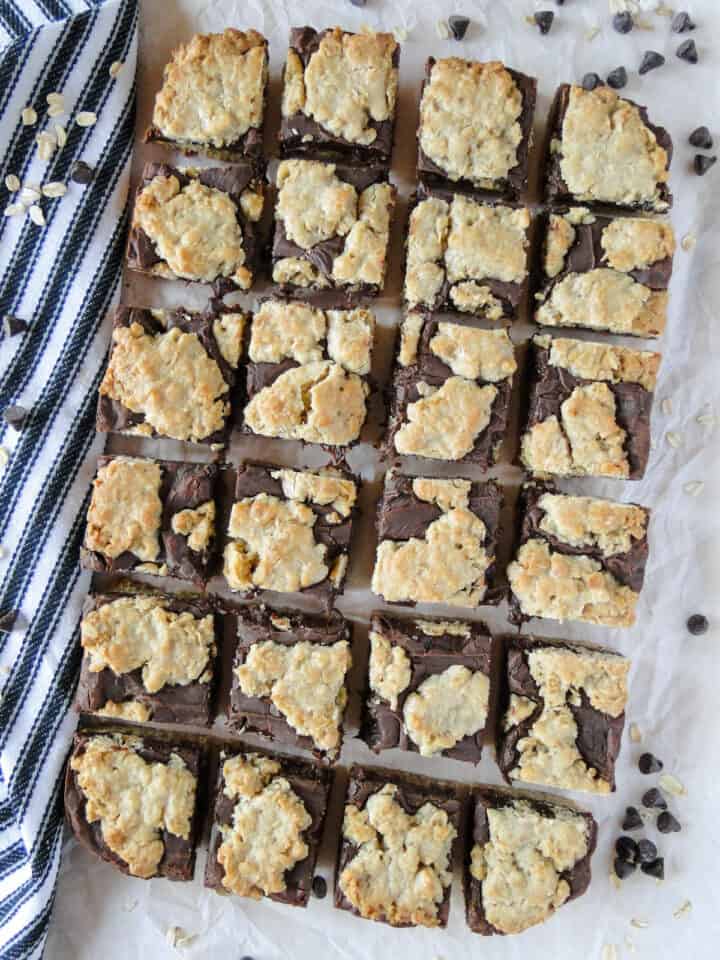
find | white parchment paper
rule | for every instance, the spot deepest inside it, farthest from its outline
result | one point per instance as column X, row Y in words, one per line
column 675, row 677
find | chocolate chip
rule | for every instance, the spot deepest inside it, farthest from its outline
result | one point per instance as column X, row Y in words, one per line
column 590, row 81
column 647, row 851
column 649, row 764
column 651, row 61
column 702, row 139
column 319, row 887
column 12, row 326
column 681, row 22
column 7, row 621
column 617, row 78
column 632, row 819
column 623, row 22
column 82, row 172
column 655, row 869
column 544, row 20
column 702, row 165
column 626, row 849
column 458, row 26
column 667, row 823
column 687, row 51
column 653, row 798
column 698, row 624
column 623, row 868
column 15, row 416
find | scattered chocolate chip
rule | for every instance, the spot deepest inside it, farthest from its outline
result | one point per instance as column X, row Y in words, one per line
column 544, row 20
column 627, row 849
column 667, row 823
column 632, row 819
column 702, row 165
column 649, row 764
column 617, row 78
column 319, row 887
column 12, row 326
column 647, row 851
column 702, row 139
column 655, row 869
column 681, row 23
column 623, row 22
column 7, row 621
column 590, row 81
column 82, row 172
column 623, row 868
column 15, row 415
column 687, row 51
column 698, row 624
column 651, row 61
column 458, row 26
column 653, row 798
column 560, row 3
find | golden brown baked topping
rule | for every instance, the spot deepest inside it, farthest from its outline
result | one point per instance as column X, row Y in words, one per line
column 601, row 361
column 350, row 338
column 299, row 273
column 631, row 244
column 410, row 330
column 197, row 525
column 389, row 669
column 426, row 243
column 229, row 330
column 322, row 488
column 438, row 628
column 293, row 95
column 131, row 710
column 560, row 237
column 588, row 522
column 364, row 257
column 447, row 707
column 471, row 297
column 476, row 354
column 446, row 494
column 125, row 509
column 313, row 203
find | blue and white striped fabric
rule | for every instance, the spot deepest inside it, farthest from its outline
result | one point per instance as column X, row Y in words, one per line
column 61, row 279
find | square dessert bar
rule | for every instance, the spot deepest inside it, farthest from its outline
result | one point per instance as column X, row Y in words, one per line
column 289, row 530
column 290, row 676
column 132, row 801
column 197, row 224
column 589, row 409
column 605, row 273
column 339, row 94
column 172, row 373
column 147, row 657
column 151, row 516
column 267, row 827
column 396, row 849
column 476, row 125
column 429, row 686
column 308, row 373
column 332, row 229
column 213, row 96
column 602, row 149
column 464, row 256
column 544, row 844
column 577, row 558
column 450, row 393
column 437, row 541
column 563, row 712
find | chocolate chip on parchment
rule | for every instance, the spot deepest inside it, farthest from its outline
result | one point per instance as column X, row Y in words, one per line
column 82, row 172
column 617, row 78
column 667, row 823
column 458, row 26
column 656, row 868
column 544, row 20
column 702, row 139
column 681, row 22
column 7, row 620
column 701, row 166
column 12, row 326
column 15, row 416
column 687, row 51
column 623, row 868
column 632, row 819
column 623, row 22
column 646, row 851
column 590, row 81
column 649, row 764
column 651, row 61
column 654, row 799
column 319, row 887
column 698, row 624
column 627, row 849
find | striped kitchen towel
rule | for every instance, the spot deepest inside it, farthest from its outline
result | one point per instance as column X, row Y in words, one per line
column 60, row 267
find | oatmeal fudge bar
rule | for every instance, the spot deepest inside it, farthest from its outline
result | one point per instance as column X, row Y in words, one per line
column 476, row 124
column 290, row 677
column 603, row 150
column 605, row 273
column 132, row 801
column 436, row 541
column 563, row 712
column 308, row 373
column 589, row 409
column 172, row 373
column 151, row 516
column 197, row 224
column 339, row 94
column 213, row 96
column 267, row 827
column 289, row 530
column 464, row 256
column 541, row 843
column 332, row 229
column 450, row 393
column 429, row 686
column 147, row 657
column 396, row 848
column 578, row 558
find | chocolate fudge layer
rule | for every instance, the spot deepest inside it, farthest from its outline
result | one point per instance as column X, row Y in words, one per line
column 450, row 392
column 339, row 94
column 289, row 530
column 171, row 373
column 147, row 657
column 605, row 273
column 529, row 855
column 151, row 516
column 437, row 541
column 267, row 827
column 213, row 96
column 332, row 229
column 290, row 676
column 197, row 224
column 602, row 149
column 308, row 373
column 563, row 707
column 396, row 848
column 464, row 256
column 132, row 802
column 589, row 409
column 428, row 686
column 476, row 125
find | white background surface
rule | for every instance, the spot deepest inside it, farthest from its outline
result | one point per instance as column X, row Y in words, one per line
column 674, row 680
